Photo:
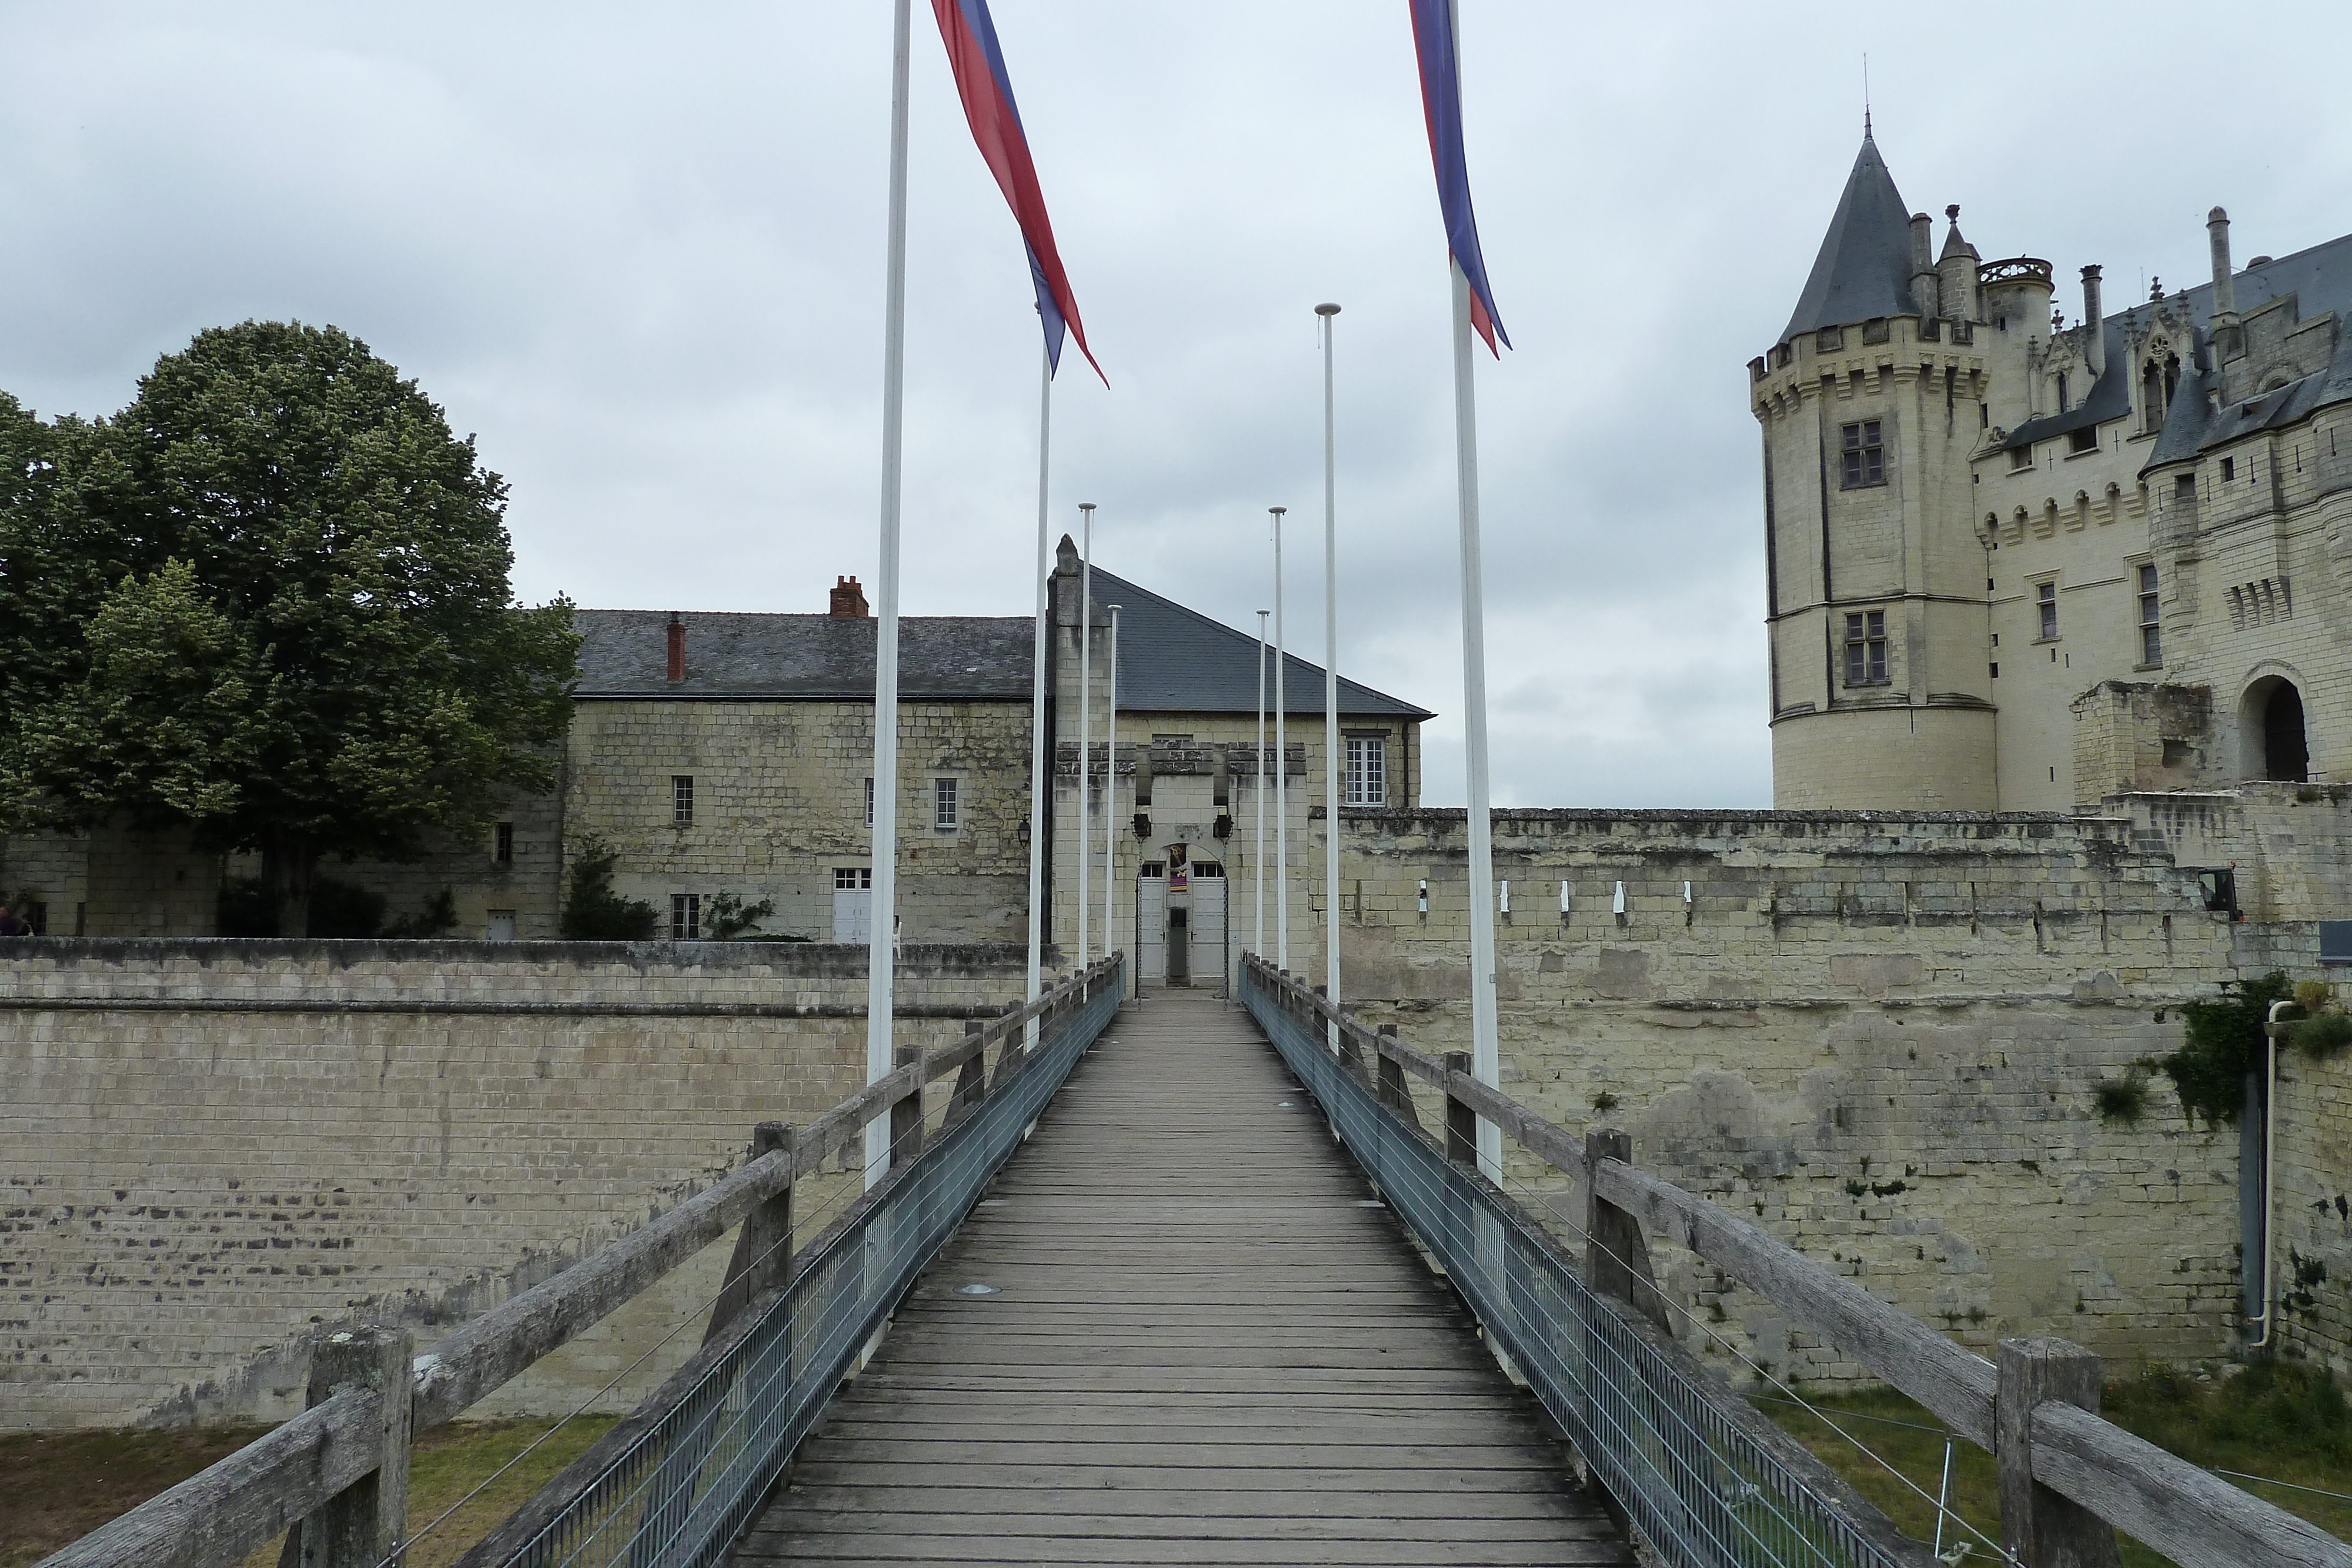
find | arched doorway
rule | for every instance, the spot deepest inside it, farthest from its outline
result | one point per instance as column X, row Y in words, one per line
column 2271, row 718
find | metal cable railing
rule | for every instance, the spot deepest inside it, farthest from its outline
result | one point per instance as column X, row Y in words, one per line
column 680, row 1495
column 1703, row 1491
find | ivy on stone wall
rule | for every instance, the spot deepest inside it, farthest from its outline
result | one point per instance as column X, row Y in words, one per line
column 2224, row 1042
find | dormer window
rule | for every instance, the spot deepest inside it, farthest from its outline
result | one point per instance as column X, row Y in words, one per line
column 2083, row 440
column 2020, row 457
column 1877, row 330
column 2061, row 392
column 1829, row 341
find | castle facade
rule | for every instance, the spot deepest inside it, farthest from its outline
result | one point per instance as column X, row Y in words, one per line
column 2015, row 565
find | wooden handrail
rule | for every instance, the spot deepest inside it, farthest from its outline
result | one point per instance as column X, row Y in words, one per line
column 224, row 1512
column 2196, row 1519
column 220, row 1514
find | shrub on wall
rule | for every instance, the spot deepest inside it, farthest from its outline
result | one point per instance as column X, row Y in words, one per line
column 2224, row 1043
column 593, row 912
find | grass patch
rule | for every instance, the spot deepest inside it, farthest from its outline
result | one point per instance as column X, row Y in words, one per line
column 2274, row 1419
column 63, row 1485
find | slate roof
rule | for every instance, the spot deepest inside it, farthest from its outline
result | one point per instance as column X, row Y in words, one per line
column 2320, row 278
column 625, row 654
column 1174, row 659
column 1863, row 270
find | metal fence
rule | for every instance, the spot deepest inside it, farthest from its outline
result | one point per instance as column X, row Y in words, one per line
column 680, row 1496
column 1704, row 1493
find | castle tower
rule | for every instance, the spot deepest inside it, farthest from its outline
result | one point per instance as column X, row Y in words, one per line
column 1870, row 404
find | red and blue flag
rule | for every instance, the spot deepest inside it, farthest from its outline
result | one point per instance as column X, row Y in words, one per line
column 1441, row 105
column 987, row 93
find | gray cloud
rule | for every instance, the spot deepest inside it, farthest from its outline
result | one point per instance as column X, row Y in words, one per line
column 640, row 254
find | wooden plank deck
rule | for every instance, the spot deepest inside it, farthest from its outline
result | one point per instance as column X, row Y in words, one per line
column 1211, row 1346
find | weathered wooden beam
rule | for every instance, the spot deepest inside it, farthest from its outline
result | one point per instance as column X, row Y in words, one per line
column 2196, row 1519
column 1554, row 1144
column 1616, row 1256
column 763, row 1248
column 1461, row 1121
column 482, row 1355
column 907, row 1110
column 367, row 1522
column 972, row 1078
column 1950, row 1380
column 221, row 1514
column 2040, row 1528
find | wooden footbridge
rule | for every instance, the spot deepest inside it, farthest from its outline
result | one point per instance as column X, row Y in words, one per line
column 1185, row 1280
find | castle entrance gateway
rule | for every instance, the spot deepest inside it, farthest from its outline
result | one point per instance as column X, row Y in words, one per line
column 1179, row 919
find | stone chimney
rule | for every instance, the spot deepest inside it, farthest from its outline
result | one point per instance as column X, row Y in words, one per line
column 2225, row 288
column 849, row 601
column 2095, row 348
column 676, row 647
column 1923, row 265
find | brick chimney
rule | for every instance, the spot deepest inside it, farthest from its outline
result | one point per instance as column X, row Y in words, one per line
column 676, row 647
column 849, row 601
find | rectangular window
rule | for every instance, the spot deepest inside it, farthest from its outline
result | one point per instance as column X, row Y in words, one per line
column 1865, row 649
column 2022, row 457
column 681, row 798
column 1368, row 770
column 943, row 804
column 2083, row 440
column 1877, row 330
column 1829, row 341
column 2045, row 597
column 2061, row 392
column 1208, row 868
column 1152, row 871
column 2229, row 467
column 1864, row 455
column 869, row 802
column 686, row 917
column 2151, row 636
column 502, row 844
column 853, row 879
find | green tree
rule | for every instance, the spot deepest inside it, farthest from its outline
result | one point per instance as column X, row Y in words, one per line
column 279, row 557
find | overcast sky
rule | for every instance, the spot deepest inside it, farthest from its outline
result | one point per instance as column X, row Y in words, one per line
column 638, row 250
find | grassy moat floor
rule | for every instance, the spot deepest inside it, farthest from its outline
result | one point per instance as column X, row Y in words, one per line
column 2272, row 1420
column 56, row 1487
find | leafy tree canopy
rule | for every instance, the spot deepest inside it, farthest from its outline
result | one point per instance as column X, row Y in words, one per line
column 268, row 600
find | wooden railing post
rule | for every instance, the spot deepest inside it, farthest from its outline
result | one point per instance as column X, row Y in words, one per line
column 971, row 1078
column 367, row 1522
column 1391, row 1085
column 763, row 1248
column 1461, row 1121
column 2039, row 1527
column 1616, row 1254
column 906, row 1110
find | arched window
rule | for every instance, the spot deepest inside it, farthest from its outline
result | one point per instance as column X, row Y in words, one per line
column 2157, row 378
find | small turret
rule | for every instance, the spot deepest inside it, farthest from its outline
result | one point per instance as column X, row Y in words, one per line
column 1923, row 266
column 1956, row 269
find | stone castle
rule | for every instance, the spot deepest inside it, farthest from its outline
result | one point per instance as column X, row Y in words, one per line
column 2158, row 503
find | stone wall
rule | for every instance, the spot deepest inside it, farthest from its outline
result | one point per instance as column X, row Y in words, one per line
column 1880, row 1035
column 211, row 1151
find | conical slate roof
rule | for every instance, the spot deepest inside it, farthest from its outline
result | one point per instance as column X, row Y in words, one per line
column 1864, row 267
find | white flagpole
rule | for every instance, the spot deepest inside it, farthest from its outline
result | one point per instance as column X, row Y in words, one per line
column 1041, row 796
column 1486, row 1051
column 1258, row 789
column 1110, row 794
column 1281, row 771
column 1086, row 675
column 1332, row 745
column 882, row 925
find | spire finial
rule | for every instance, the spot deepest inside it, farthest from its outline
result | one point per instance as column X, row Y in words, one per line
column 1866, row 95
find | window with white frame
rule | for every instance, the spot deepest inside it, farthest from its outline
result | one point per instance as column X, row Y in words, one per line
column 1865, row 455
column 869, row 802
column 2045, row 600
column 853, row 879
column 686, row 917
column 2151, row 633
column 1368, row 770
column 944, row 808
column 681, row 798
